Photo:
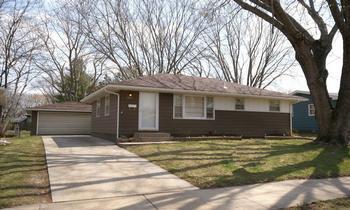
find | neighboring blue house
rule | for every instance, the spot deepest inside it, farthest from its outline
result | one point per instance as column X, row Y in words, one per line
column 304, row 113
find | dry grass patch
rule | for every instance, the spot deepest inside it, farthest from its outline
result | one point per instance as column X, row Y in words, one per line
column 23, row 172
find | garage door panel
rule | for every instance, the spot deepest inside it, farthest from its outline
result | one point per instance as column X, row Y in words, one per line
column 64, row 123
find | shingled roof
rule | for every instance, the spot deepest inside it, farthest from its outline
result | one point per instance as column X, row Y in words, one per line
column 181, row 84
column 69, row 106
column 191, row 83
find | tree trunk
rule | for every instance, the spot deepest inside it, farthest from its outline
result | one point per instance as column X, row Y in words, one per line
column 313, row 63
column 1, row 121
column 340, row 125
column 333, row 122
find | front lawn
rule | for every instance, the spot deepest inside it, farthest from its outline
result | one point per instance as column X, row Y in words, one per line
column 221, row 163
column 23, row 172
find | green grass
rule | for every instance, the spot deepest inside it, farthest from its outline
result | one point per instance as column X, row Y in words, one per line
column 221, row 163
column 340, row 203
column 23, row 172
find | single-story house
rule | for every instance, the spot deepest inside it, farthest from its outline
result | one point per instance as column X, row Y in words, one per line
column 304, row 112
column 188, row 106
column 61, row 119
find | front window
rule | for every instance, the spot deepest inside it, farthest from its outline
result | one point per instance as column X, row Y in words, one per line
column 107, row 105
column 311, row 109
column 193, row 107
column 178, row 106
column 274, row 106
column 210, row 108
column 239, row 104
column 98, row 107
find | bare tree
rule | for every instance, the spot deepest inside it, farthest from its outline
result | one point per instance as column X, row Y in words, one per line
column 295, row 19
column 70, row 71
column 252, row 54
column 145, row 37
column 18, row 48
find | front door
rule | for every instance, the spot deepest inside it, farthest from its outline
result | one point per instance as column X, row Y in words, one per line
column 148, row 111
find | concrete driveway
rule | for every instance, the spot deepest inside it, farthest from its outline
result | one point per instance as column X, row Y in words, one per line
column 84, row 167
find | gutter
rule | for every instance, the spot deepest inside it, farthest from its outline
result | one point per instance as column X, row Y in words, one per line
column 57, row 110
column 90, row 97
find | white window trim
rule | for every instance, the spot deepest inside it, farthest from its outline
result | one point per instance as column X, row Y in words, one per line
column 109, row 105
column 98, row 104
column 309, row 108
column 184, row 117
column 274, row 110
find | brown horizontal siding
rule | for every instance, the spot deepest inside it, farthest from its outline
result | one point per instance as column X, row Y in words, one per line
column 248, row 124
column 103, row 126
column 244, row 123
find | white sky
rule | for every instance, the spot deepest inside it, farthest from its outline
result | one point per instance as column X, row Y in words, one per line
column 297, row 81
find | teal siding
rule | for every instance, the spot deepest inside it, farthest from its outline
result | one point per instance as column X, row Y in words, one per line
column 302, row 122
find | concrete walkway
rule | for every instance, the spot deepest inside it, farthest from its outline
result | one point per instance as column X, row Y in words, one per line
column 84, row 167
column 272, row 195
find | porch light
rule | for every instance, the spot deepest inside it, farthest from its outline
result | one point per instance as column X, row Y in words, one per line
column 130, row 94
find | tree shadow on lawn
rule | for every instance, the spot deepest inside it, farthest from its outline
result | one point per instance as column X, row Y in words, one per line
column 325, row 164
column 23, row 178
column 247, row 162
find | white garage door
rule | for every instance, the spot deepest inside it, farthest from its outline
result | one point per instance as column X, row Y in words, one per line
column 51, row 123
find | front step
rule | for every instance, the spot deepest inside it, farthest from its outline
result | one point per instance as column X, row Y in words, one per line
column 152, row 136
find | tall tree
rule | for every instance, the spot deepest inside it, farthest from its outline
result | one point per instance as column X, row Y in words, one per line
column 145, row 36
column 18, row 49
column 294, row 19
column 251, row 54
column 70, row 70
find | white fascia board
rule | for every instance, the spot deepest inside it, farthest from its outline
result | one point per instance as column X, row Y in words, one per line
column 56, row 110
column 100, row 92
column 90, row 98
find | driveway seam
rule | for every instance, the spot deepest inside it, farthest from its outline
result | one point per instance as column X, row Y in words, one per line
column 149, row 201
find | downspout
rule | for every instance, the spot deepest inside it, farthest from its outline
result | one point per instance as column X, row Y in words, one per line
column 118, row 104
column 37, row 124
column 291, row 118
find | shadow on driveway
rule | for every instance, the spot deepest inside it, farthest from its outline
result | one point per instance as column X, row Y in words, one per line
column 79, row 141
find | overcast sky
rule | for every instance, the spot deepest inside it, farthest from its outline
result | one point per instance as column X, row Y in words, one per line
column 298, row 82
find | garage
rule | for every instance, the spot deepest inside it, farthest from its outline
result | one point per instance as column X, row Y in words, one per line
column 69, row 118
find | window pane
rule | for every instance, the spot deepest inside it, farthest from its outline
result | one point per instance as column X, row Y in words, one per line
column 98, row 108
column 275, row 106
column 178, row 100
column 210, row 107
column 311, row 109
column 239, row 104
column 178, row 111
column 194, row 106
column 178, row 106
column 107, row 105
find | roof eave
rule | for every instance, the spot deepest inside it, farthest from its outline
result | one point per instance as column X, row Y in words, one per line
column 56, row 110
column 90, row 98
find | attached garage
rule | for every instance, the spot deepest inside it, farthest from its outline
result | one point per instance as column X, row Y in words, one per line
column 69, row 118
